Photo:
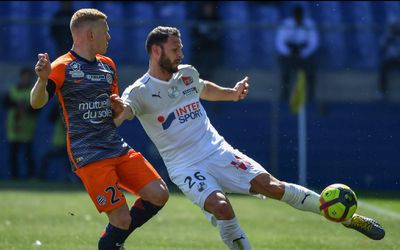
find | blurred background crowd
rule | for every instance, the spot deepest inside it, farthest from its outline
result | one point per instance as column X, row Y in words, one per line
column 349, row 53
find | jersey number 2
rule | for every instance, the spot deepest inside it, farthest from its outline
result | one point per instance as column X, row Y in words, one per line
column 196, row 175
column 113, row 193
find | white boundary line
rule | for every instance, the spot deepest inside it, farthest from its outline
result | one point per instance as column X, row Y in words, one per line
column 379, row 210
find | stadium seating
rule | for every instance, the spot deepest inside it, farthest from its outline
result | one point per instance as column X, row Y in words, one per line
column 332, row 52
column 361, row 41
column 237, row 43
column 41, row 40
column 116, row 21
column 349, row 32
column 140, row 17
column 17, row 48
column 263, row 38
column 174, row 14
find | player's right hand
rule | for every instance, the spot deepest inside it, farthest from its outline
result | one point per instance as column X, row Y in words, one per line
column 43, row 67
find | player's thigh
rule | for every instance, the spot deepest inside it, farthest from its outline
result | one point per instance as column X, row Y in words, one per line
column 195, row 183
column 101, row 182
column 135, row 172
column 234, row 170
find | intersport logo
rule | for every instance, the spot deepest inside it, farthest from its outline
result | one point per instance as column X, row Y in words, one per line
column 182, row 114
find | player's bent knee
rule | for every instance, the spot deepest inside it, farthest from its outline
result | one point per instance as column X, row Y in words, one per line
column 156, row 192
column 161, row 197
column 218, row 205
column 223, row 211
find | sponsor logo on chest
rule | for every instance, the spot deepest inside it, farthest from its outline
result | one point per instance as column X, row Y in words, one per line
column 183, row 114
column 190, row 91
column 98, row 78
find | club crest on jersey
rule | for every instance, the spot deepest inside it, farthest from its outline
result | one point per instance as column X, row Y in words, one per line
column 76, row 70
column 173, row 92
column 201, row 186
column 187, row 80
column 109, row 78
column 101, row 200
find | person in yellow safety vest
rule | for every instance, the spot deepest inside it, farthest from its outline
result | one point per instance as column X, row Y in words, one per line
column 21, row 125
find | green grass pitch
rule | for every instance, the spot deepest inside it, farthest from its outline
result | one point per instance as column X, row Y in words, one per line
column 64, row 218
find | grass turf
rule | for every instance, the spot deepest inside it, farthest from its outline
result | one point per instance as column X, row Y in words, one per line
column 63, row 217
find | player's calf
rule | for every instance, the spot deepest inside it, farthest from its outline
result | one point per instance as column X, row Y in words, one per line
column 112, row 238
column 301, row 198
column 141, row 212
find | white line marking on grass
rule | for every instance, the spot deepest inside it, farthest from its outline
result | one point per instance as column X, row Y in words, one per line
column 379, row 210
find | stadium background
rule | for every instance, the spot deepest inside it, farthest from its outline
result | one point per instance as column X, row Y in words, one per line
column 356, row 142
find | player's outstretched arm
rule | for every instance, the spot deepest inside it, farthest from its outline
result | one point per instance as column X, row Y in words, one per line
column 121, row 110
column 214, row 92
column 39, row 95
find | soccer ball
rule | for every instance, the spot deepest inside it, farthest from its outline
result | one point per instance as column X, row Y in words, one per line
column 338, row 202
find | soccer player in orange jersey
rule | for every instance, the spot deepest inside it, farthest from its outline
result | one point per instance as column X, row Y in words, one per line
column 83, row 79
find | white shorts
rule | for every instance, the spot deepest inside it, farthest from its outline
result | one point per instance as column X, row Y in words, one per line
column 227, row 170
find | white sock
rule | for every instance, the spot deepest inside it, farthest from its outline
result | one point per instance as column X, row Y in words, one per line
column 211, row 218
column 301, row 198
column 233, row 235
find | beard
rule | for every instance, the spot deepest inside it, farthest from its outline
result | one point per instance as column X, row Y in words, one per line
column 166, row 64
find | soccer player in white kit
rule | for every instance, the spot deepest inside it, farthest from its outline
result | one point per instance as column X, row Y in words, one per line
column 199, row 161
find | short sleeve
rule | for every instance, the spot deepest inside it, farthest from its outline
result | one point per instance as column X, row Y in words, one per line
column 190, row 71
column 200, row 82
column 131, row 96
column 57, row 74
column 200, row 86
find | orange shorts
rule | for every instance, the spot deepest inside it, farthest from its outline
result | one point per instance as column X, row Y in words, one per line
column 103, row 179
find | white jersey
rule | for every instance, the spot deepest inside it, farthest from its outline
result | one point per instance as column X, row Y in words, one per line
column 173, row 117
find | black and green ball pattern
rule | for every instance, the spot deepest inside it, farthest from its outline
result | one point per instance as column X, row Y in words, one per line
column 338, row 202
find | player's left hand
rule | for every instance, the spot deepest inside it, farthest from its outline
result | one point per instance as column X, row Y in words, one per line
column 117, row 105
column 242, row 88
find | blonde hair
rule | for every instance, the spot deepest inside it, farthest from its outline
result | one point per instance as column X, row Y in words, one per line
column 84, row 16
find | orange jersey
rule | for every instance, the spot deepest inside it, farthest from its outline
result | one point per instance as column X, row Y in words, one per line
column 83, row 89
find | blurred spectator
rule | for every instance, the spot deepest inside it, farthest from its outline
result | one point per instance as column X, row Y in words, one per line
column 206, row 48
column 21, row 124
column 58, row 149
column 297, row 41
column 60, row 28
column 389, row 56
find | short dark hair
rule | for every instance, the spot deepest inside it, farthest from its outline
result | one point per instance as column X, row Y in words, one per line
column 159, row 35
